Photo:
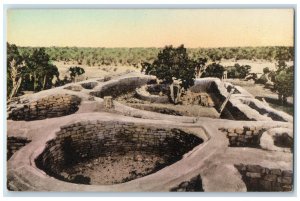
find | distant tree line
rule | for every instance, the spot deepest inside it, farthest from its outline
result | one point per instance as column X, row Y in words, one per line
column 134, row 56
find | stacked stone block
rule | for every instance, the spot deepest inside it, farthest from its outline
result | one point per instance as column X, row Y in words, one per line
column 244, row 136
column 48, row 107
column 14, row 144
column 91, row 139
column 258, row 178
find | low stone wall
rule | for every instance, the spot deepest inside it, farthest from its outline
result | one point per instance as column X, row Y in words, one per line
column 74, row 88
column 117, row 87
column 145, row 95
column 14, row 144
column 258, row 178
column 245, row 136
column 48, row 107
column 86, row 140
column 203, row 84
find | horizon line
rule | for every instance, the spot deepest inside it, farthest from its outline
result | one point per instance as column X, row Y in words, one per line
column 119, row 47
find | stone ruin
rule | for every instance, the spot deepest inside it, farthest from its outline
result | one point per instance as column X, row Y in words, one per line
column 66, row 139
column 108, row 102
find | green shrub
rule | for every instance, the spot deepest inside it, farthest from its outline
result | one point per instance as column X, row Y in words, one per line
column 213, row 70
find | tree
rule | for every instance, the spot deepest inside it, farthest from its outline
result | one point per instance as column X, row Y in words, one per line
column 15, row 68
column 145, row 67
column 238, row 71
column 281, row 65
column 39, row 70
column 75, row 71
column 172, row 63
column 213, row 70
column 31, row 70
column 200, row 65
column 284, row 83
column 266, row 70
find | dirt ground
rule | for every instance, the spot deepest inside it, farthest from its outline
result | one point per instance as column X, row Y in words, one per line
column 93, row 71
column 100, row 71
column 113, row 170
column 256, row 66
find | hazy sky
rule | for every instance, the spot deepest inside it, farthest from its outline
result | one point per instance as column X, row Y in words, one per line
column 150, row 27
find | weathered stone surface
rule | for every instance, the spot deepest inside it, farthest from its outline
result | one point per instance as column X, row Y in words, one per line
column 287, row 173
column 254, row 168
column 270, row 177
column 253, row 174
column 108, row 102
column 48, row 107
column 265, row 179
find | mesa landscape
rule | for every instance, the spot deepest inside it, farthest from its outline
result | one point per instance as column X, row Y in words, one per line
column 149, row 119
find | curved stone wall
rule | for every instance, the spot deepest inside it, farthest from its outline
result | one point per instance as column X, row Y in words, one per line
column 48, row 107
column 121, row 86
column 87, row 140
column 144, row 94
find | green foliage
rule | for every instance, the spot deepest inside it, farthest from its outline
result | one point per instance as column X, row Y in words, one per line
column 14, row 67
column 213, row 70
column 39, row 72
column 172, row 62
column 266, row 70
column 13, row 54
column 200, row 67
column 281, row 65
column 238, row 71
column 133, row 56
column 75, row 71
column 284, row 83
column 32, row 71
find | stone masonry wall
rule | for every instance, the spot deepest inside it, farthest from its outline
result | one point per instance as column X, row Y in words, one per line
column 122, row 86
column 86, row 140
column 145, row 95
column 48, row 107
column 14, row 144
column 244, row 136
column 258, row 178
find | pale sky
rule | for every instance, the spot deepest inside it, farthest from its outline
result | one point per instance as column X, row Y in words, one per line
column 150, row 27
